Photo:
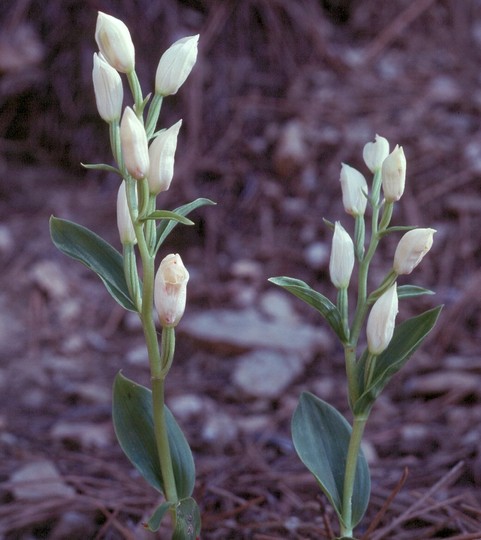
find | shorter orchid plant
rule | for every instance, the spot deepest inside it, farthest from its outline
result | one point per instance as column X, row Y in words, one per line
column 144, row 157
column 327, row 444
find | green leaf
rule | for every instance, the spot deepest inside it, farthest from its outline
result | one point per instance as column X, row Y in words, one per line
column 153, row 524
column 188, row 520
column 167, row 214
column 315, row 299
column 398, row 228
column 321, row 438
column 407, row 337
column 410, row 291
column 165, row 227
column 134, row 427
column 101, row 167
column 95, row 253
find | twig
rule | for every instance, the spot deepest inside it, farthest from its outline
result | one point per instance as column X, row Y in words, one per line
column 416, row 506
column 378, row 517
column 391, row 32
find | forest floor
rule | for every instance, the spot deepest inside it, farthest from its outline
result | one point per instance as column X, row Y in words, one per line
column 280, row 97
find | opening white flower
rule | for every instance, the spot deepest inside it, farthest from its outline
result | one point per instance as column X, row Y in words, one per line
column 170, row 290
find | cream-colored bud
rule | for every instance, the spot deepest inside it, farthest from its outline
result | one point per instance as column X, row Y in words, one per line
column 341, row 262
column 135, row 148
column 124, row 221
column 108, row 89
column 161, row 153
column 394, row 175
column 381, row 321
column 374, row 153
column 411, row 249
column 175, row 65
column 354, row 190
column 115, row 43
column 170, row 290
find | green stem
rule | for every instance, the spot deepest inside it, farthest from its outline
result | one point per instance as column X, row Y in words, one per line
column 350, row 474
column 159, row 363
column 131, row 275
column 136, row 90
column 351, row 372
column 150, row 226
column 343, row 307
column 153, row 115
column 359, row 237
column 361, row 308
column 114, row 134
column 162, row 440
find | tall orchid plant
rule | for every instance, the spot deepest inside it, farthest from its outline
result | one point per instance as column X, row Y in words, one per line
column 144, row 161
column 328, row 445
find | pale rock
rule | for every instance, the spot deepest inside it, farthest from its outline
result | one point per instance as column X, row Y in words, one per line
column 50, row 278
column 244, row 330
column 369, row 452
column 66, row 365
column 445, row 90
column 277, row 305
column 70, row 310
column 187, row 406
column 291, row 153
column 39, row 480
column 441, row 382
column 219, row 430
column 86, row 435
column 74, row 525
column 138, row 356
column 255, row 423
column 317, row 255
column 266, row 374
column 246, row 269
column 91, row 392
column 72, row 344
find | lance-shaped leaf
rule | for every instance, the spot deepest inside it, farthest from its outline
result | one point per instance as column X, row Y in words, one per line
column 134, row 427
column 321, row 438
column 95, row 253
column 165, row 227
column 407, row 337
column 155, row 519
column 315, row 299
column 168, row 214
column 410, row 291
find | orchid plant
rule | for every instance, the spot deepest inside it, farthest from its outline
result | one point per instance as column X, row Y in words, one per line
column 144, row 162
column 327, row 444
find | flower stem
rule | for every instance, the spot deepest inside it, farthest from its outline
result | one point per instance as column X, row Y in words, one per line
column 350, row 474
column 159, row 362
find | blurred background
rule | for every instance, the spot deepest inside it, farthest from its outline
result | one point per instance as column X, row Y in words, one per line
column 283, row 92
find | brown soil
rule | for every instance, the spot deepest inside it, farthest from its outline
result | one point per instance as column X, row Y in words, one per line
column 337, row 71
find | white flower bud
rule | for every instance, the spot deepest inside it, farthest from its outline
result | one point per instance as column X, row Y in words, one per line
column 394, row 175
column 175, row 65
column 411, row 249
column 108, row 89
column 354, row 188
column 161, row 153
column 374, row 153
column 124, row 221
column 170, row 290
column 341, row 262
column 115, row 43
column 135, row 148
column 381, row 321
